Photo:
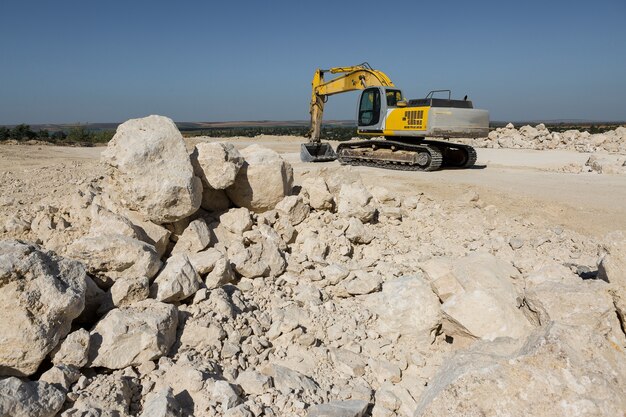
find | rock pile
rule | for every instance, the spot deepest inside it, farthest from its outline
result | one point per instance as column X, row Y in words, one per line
column 540, row 138
column 205, row 283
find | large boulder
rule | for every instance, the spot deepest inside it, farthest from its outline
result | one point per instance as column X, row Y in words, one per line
column 133, row 335
column 481, row 297
column 263, row 181
column 407, row 306
column 585, row 303
column 612, row 269
column 113, row 257
column 217, row 164
column 41, row 294
column 558, row 371
column 151, row 171
column 483, row 315
column 29, row 398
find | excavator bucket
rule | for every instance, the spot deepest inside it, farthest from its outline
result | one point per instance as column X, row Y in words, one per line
column 317, row 152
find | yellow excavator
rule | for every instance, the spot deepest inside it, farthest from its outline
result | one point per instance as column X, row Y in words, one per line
column 405, row 124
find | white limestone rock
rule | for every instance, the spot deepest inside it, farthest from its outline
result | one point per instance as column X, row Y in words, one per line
column 41, row 294
column 177, row 281
column 558, row 371
column 109, row 258
column 253, row 382
column 355, row 200
column 133, row 335
column 317, row 193
column 407, row 306
column 483, row 315
column 29, row 398
column 127, row 291
column 195, row 238
column 612, row 269
column 61, row 376
column 294, row 208
column 73, row 350
column 346, row 408
column 263, row 181
column 151, row 171
column 357, row 232
column 585, row 303
column 106, row 222
column 237, row 220
column 161, row 404
column 217, row 164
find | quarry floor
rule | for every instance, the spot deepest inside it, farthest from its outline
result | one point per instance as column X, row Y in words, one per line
column 517, row 181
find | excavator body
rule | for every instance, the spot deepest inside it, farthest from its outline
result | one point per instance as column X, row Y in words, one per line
column 405, row 124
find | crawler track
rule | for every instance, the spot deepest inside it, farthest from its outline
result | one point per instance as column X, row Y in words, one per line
column 425, row 155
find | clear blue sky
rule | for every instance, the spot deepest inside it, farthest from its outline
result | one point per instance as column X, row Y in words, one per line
column 107, row 61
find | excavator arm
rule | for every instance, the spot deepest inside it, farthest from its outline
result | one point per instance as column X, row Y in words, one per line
column 353, row 78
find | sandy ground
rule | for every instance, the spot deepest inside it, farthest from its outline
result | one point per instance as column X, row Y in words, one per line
column 520, row 182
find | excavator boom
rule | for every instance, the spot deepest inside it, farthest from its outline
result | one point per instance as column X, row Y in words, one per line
column 353, row 78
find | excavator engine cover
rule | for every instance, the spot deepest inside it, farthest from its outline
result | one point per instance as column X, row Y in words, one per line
column 317, row 152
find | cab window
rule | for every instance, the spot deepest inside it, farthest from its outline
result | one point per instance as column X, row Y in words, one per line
column 393, row 96
column 369, row 107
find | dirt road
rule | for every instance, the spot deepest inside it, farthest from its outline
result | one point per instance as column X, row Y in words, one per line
column 519, row 182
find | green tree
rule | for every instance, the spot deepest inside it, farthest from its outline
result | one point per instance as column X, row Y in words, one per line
column 43, row 134
column 79, row 134
column 59, row 135
column 22, row 132
column 5, row 133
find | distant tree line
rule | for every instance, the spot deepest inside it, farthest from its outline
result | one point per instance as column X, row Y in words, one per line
column 327, row 132
column 75, row 135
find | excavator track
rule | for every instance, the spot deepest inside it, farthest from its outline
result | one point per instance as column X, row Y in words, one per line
column 391, row 155
column 455, row 155
column 405, row 154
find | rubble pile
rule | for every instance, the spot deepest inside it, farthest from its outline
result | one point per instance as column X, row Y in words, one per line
column 209, row 283
column 608, row 149
column 540, row 138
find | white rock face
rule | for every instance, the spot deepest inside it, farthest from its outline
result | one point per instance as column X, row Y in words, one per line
column 105, row 222
column 355, row 200
column 407, row 306
column 133, row 335
column 217, row 164
column 29, row 399
column 263, row 181
column 237, row 220
column 612, row 269
column 348, row 408
column 195, row 238
column 484, row 315
column 316, row 190
column 127, row 291
column 74, row 349
column 112, row 257
column 161, row 404
column 151, row 170
column 565, row 370
column 151, row 233
column 253, row 382
column 61, row 376
column 177, row 281
column 294, row 208
column 41, row 294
